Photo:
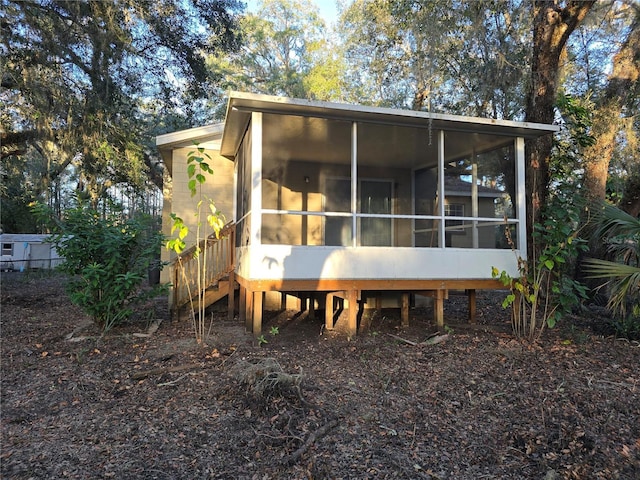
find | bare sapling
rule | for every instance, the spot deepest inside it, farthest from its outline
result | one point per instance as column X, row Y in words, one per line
column 198, row 168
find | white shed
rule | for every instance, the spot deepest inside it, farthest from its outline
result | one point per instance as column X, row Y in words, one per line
column 25, row 251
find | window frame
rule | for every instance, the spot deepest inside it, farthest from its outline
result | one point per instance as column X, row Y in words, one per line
column 454, row 226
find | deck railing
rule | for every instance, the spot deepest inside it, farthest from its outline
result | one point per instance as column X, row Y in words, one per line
column 219, row 254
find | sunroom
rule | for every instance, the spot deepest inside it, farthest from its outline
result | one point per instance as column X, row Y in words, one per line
column 355, row 202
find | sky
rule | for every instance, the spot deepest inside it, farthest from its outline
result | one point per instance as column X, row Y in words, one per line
column 328, row 9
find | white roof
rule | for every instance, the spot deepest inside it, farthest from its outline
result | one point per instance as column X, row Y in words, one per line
column 23, row 237
column 186, row 138
column 241, row 105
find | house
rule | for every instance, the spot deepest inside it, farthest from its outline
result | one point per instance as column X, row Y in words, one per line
column 333, row 202
column 21, row 251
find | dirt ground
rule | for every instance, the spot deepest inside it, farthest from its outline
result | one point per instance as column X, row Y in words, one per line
column 310, row 403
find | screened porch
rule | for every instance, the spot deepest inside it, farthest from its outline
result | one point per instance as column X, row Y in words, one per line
column 333, row 197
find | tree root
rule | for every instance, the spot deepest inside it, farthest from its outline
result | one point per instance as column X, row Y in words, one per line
column 266, row 377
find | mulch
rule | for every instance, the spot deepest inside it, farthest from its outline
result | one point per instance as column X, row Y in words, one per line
column 311, row 404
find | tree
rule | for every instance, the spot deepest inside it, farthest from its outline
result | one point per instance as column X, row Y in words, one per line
column 552, row 27
column 611, row 113
column 81, row 78
column 630, row 202
column 455, row 57
column 397, row 50
column 284, row 52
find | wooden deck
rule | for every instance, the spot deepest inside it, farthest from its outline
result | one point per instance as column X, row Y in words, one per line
column 335, row 292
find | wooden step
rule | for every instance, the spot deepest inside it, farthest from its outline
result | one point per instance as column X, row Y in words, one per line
column 215, row 293
column 211, row 296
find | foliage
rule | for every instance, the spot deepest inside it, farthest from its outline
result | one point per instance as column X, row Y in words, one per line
column 541, row 294
column 15, row 197
column 591, row 49
column 456, row 57
column 560, row 235
column 198, row 168
column 544, row 292
column 620, row 233
column 108, row 259
column 81, row 79
column 273, row 331
column 575, row 135
column 613, row 122
column 628, row 326
column 284, row 52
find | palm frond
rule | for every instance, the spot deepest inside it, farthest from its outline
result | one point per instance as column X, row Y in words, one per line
column 606, row 269
column 615, row 222
column 623, row 280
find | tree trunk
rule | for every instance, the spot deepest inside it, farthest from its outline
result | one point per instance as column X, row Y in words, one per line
column 607, row 119
column 552, row 27
column 631, row 199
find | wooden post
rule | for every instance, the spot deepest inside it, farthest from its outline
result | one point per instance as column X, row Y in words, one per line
column 231, row 296
column 404, row 310
column 438, row 308
column 257, row 312
column 242, row 306
column 352, row 326
column 283, row 301
column 472, row 305
column 248, row 310
column 312, row 306
column 329, row 311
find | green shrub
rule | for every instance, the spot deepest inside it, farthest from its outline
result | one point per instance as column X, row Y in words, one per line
column 629, row 326
column 544, row 292
column 108, row 258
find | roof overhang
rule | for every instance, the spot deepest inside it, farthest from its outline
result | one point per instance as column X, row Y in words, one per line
column 208, row 136
column 187, row 138
column 241, row 105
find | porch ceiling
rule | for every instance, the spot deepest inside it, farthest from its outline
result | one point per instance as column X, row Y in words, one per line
column 299, row 128
column 312, row 139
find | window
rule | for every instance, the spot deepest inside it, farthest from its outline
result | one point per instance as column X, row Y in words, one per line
column 454, row 210
column 7, row 249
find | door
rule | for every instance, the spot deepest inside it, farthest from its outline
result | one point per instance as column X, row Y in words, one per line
column 376, row 197
column 337, row 198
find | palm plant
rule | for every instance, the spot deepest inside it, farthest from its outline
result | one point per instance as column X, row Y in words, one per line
column 620, row 235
